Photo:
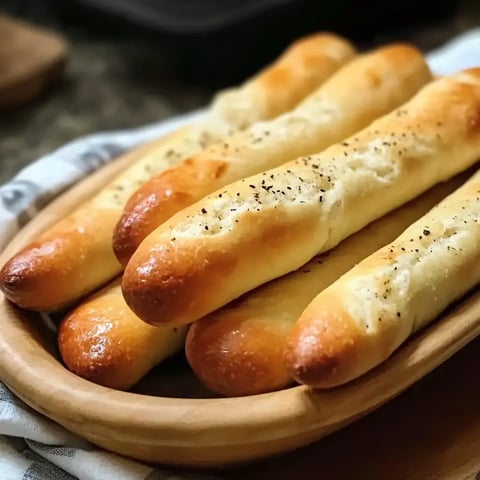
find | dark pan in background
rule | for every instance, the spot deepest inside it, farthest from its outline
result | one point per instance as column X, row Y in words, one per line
column 219, row 42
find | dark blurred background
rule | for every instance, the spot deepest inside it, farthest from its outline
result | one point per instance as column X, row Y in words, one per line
column 131, row 62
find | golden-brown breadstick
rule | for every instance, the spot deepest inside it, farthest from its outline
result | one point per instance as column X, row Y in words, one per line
column 359, row 320
column 239, row 349
column 304, row 65
column 265, row 226
column 103, row 341
column 369, row 86
column 75, row 256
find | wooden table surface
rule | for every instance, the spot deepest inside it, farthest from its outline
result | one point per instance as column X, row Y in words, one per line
column 431, row 432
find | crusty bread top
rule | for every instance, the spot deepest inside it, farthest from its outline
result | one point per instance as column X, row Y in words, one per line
column 276, row 89
column 387, row 77
column 264, row 226
column 239, row 349
column 359, row 320
column 370, row 151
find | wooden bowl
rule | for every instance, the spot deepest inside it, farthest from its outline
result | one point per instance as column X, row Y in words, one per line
column 194, row 431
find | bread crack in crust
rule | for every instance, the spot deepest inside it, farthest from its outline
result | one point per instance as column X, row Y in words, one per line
column 364, row 316
column 253, row 232
column 239, row 349
column 386, row 77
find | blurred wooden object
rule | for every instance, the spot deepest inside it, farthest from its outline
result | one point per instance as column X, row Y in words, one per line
column 30, row 59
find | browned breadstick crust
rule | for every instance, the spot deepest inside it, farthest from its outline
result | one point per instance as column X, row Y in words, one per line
column 76, row 256
column 239, row 349
column 386, row 78
column 265, row 226
column 71, row 258
column 362, row 318
column 304, row 65
column 102, row 341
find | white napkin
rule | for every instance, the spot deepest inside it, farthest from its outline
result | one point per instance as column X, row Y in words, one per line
column 33, row 447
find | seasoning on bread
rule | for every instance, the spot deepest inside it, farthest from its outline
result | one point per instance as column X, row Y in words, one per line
column 265, row 226
column 362, row 318
column 369, row 86
column 75, row 256
column 239, row 349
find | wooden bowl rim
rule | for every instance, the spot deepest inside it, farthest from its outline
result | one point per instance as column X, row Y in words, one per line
column 46, row 385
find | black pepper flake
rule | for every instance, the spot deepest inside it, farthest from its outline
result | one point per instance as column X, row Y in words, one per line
column 398, row 314
column 426, row 232
column 206, row 227
column 320, row 198
column 204, row 210
column 252, row 186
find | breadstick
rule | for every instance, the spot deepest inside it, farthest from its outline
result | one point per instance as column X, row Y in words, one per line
column 366, row 88
column 239, row 349
column 305, row 65
column 265, row 226
column 103, row 341
column 357, row 322
column 75, row 256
